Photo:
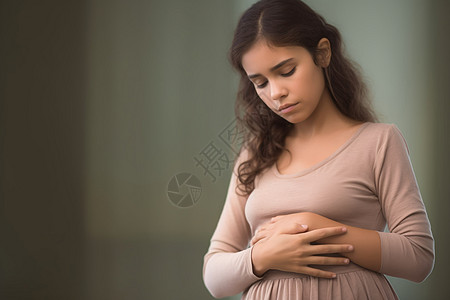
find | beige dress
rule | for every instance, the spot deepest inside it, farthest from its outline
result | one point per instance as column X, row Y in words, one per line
column 368, row 183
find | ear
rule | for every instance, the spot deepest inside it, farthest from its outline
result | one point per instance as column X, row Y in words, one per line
column 324, row 52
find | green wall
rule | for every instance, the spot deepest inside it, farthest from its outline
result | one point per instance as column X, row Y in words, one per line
column 103, row 102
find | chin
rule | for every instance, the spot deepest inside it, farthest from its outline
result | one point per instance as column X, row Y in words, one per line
column 295, row 119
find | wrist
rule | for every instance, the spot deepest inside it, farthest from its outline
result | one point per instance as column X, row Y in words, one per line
column 258, row 260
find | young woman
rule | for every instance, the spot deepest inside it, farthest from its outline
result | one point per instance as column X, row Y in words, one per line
column 317, row 178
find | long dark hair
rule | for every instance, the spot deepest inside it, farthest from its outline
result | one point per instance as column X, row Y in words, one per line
column 288, row 23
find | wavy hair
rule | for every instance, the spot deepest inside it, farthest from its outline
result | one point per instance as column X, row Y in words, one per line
column 288, row 23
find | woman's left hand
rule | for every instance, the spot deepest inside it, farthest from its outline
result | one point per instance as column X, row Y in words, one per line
column 366, row 243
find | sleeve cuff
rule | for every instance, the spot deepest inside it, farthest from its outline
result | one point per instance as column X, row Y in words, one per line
column 250, row 264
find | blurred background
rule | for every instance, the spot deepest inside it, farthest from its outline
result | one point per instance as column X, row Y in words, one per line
column 105, row 104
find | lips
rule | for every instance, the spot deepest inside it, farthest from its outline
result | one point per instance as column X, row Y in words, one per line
column 286, row 106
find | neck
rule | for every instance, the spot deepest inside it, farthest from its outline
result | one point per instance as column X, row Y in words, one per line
column 326, row 119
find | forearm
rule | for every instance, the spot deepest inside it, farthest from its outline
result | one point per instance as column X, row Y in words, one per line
column 228, row 273
column 366, row 243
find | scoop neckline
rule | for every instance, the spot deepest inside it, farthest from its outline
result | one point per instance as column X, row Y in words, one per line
column 324, row 161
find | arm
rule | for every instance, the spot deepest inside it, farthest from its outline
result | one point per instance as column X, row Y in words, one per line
column 407, row 251
column 230, row 266
column 366, row 243
column 227, row 267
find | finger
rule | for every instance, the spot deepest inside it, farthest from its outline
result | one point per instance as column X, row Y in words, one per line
column 302, row 227
column 322, row 233
column 275, row 219
column 260, row 230
column 294, row 228
column 329, row 248
column 258, row 236
column 315, row 272
column 326, row 260
column 266, row 226
column 258, row 241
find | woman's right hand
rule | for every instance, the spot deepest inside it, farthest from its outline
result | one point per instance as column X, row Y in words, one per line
column 294, row 252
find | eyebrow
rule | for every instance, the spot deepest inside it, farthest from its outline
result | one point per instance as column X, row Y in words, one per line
column 277, row 66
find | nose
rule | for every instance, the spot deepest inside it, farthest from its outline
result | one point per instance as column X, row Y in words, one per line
column 277, row 91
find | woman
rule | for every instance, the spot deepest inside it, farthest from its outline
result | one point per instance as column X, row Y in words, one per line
column 318, row 177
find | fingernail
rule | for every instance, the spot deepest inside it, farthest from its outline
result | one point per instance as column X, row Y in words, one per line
column 350, row 248
column 346, row 261
column 333, row 276
column 344, row 229
column 305, row 226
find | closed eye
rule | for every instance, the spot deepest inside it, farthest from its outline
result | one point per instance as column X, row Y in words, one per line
column 263, row 85
column 289, row 73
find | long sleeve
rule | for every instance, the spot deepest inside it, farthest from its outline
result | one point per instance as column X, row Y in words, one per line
column 407, row 250
column 227, row 267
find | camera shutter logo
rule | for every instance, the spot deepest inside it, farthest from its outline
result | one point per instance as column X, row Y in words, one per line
column 184, row 190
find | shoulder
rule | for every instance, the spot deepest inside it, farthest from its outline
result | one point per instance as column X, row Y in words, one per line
column 381, row 129
column 386, row 138
column 377, row 138
column 384, row 133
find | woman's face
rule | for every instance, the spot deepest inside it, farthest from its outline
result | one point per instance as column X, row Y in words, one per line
column 285, row 76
